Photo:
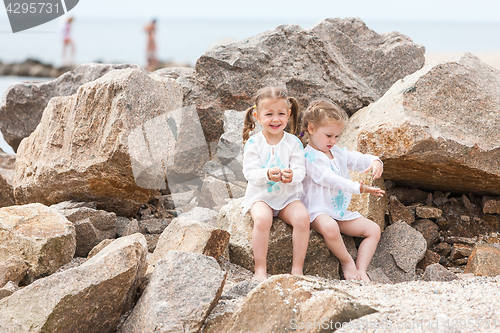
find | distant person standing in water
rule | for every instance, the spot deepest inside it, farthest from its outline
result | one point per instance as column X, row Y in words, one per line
column 151, row 45
column 68, row 42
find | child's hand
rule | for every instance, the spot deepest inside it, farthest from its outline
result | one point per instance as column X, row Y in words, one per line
column 377, row 169
column 286, row 175
column 370, row 189
column 274, row 174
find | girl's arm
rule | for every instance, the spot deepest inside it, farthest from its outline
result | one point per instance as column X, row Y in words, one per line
column 359, row 162
column 318, row 169
column 252, row 169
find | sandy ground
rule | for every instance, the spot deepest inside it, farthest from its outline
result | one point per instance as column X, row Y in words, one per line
column 491, row 58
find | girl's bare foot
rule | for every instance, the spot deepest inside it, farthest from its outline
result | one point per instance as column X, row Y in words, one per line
column 350, row 271
column 260, row 275
column 363, row 276
column 297, row 271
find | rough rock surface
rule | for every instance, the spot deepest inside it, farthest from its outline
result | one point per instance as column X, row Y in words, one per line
column 339, row 59
column 491, row 205
column 88, row 298
column 8, row 289
column 400, row 249
column 428, row 229
column 45, row 238
column 319, row 260
column 426, row 133
column 437, row 272
column 484, row 261
column 23, row 103
column 287, row 303
column 370, row 206
column 398, row 212
column 7, row 166
column 12, row 266
column 183, row 289
column 92, row 226
column 185, row 234
column 82, row 148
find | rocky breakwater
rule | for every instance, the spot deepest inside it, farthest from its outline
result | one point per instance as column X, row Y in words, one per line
column 7, row 166
column 436, row 129
column 340, row 59
column 81, row 148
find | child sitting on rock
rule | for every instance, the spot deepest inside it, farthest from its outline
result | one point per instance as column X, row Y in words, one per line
column 328, row 187
column 273, row 164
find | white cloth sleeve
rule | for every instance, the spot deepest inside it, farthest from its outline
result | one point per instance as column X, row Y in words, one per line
column 359, row 162
column 252, row 169
column 297, row 164
column 321, row 173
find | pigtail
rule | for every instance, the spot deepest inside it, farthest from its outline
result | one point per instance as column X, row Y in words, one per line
column 294, row 115
column 249, row 124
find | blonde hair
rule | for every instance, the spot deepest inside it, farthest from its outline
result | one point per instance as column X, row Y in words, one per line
column 321, row 112
column 276, row 93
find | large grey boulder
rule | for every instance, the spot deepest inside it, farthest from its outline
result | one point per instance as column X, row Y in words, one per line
column 286, row 303
column 43, row 237
column 22, row 105
column 88, row 298
column 437, row 128
column 183, row 289
column 398, row 252
column 83, row 148
column 339, row 59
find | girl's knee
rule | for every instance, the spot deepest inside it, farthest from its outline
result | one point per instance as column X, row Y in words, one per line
column 262, row 224
column 332, row 231
column 373, row 231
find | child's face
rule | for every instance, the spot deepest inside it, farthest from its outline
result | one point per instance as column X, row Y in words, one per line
column 273, row 115
column 323, row 138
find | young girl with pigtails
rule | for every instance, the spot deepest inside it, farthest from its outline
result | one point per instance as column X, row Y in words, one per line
column 328, row 187
column 273, row 164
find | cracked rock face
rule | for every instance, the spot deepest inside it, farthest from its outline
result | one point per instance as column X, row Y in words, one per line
column 437, row 128
column 339, row 59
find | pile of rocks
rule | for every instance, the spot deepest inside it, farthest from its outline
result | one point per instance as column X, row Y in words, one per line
column 129, row 186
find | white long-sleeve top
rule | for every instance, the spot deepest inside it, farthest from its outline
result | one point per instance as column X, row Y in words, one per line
column 259, row 157
column 328, row 186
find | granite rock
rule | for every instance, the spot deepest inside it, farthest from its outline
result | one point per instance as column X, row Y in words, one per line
column 484, row 261
column 45, row 239
column 185, row 234
column 398, row 212
column 7, row 166
column 424, row 131
column 491, row 205
column 428, row 229
column 87, row 298
column 22, row 106
column 183, row 289
column 437, row 272
column 399, row 250
column 84, row 148
column 339, row 59
column 12, row 266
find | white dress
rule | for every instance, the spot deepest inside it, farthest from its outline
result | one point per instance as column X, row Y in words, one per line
column 328, row 186
column 258, row 157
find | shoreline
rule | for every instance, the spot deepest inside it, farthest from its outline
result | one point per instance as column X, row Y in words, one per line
column 491, row 58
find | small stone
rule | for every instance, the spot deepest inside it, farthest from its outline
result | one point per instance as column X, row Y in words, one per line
column 99, row 247
column 377, row 276
column 8, row 289
column 428, row 212
column 437, row 272
column 491, row 205
column 459, row 251
column 428, row 229
column 430, row 258
column 440, row 201
column 398, row 211
column 484, row 261
column 443, row 248
column 428, row 200
column 461, row 261
column 471, row 208
column 465, row 218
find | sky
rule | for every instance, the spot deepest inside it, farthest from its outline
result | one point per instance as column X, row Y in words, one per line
column 421, row 10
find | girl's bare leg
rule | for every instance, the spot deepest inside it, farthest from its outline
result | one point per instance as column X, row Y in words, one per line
column 262, row 216
column 296, row 215
column 330, row 230
column 362, row 227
